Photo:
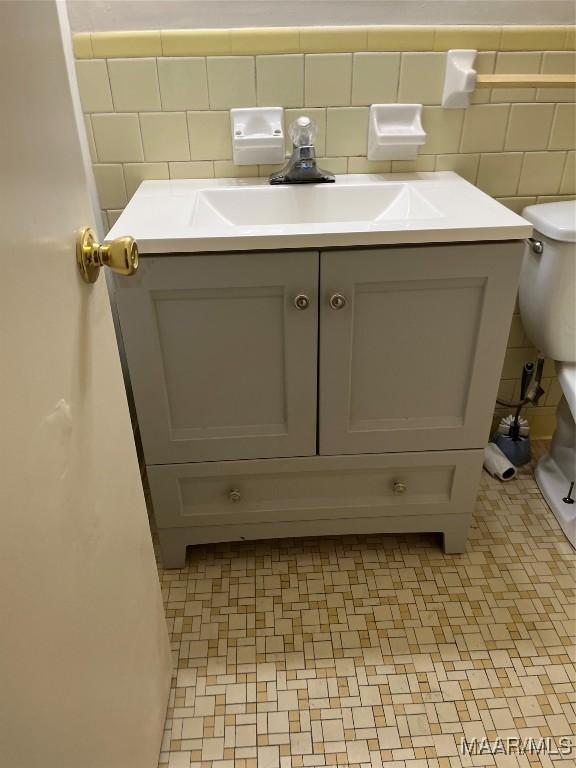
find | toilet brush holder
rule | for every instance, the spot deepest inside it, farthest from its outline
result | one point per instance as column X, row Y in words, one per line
column 513, row 438
column 516, row 449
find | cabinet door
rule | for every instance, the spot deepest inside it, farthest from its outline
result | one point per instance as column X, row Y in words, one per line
column 222, row 363
column 412, row 360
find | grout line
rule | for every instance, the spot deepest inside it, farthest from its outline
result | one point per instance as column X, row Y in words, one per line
column 500, row 35
column 254, row 80
column 305, row 68
column 110, row 83
column 507, row 127
column 554, row 116
column 351, row 60
column 564, row 168
column 517, row 187
column 162, row 107
column 256, row 97
column 88, row 117
column 141, row 139
column 519, row 175
column 397, row 88
column 208, row 88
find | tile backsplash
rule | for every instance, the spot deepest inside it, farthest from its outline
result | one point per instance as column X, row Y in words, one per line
column 156, row 106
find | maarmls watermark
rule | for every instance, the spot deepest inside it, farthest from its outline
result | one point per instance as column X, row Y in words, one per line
column 516, row 745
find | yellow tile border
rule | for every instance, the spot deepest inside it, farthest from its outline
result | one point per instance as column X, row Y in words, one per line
column 82, row 45
column 534, row 38
column 333, row 39
column 400, row 38
column 266, row 40
column 108, row 45
column 279, row 40
column 481, row 38
column 195, row 42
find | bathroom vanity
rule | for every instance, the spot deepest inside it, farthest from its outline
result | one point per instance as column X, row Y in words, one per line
column 318, row 359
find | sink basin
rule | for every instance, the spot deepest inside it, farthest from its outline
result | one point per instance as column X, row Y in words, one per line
column 310, row 204
column 201, row 215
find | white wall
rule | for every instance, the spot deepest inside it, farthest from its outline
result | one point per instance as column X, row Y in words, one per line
column 102, row 15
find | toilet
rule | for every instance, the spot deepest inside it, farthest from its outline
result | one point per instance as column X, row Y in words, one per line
column 547, row 298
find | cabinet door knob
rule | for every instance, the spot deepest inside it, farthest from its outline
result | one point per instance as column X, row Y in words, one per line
column 234, row 495
column 301, row 301
column 399, row 488
column 337, row 301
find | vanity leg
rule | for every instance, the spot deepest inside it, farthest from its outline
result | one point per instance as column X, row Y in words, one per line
column 172, row 547
column 456, row 536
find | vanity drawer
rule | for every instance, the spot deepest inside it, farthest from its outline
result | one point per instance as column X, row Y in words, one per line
column 267, row 498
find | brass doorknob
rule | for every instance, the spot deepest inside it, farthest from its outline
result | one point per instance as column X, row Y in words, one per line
column 120, row 255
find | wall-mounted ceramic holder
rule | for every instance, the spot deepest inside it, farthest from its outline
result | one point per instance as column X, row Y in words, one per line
column 257, row 135
column 395, row 131
column 460, row 78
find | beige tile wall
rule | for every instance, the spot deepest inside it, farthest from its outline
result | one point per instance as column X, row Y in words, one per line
column 154, row 116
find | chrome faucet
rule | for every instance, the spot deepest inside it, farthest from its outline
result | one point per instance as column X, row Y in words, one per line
column 302, row 168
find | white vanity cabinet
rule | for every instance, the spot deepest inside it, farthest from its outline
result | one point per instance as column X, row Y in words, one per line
column 316, row 392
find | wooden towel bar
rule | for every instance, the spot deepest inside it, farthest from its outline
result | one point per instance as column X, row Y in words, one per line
column 526, row 81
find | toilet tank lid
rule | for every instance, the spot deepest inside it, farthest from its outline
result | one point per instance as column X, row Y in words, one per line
column 555, row 220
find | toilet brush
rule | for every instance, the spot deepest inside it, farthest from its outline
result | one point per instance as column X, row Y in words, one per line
column 527, row 372
column 535, row 391
column 506, row 424
column 512, row 435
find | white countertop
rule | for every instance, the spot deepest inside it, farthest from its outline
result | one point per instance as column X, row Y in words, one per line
column 184, row 216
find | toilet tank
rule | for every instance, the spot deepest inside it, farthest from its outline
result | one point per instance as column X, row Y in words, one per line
column 547, row 294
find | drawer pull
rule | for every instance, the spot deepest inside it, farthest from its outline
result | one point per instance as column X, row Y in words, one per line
column 234, row 495
column 399, row 488
column 301, row 301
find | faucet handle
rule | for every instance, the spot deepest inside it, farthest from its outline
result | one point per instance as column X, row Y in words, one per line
column 303, row 131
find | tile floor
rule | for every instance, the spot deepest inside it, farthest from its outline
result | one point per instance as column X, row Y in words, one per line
column 378, row 650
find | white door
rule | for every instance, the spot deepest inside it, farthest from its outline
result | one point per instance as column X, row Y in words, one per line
column 84, row 655
column 410, row 357
column 222, row 359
